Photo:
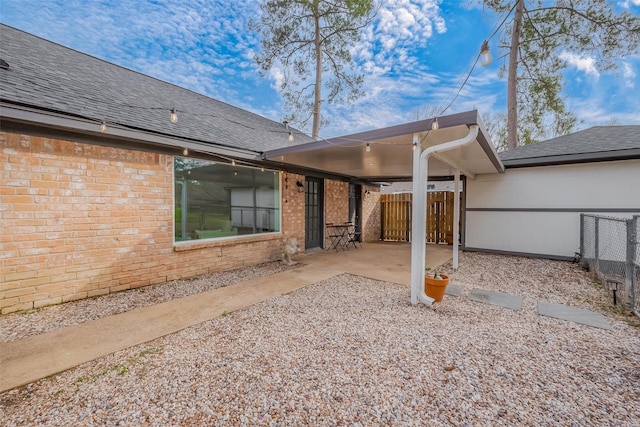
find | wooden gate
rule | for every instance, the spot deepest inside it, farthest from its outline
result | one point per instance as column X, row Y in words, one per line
column 396, row 217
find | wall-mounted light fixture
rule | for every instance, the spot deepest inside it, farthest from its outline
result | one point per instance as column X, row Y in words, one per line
column 300, row 186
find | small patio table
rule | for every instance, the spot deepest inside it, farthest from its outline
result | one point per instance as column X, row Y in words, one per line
column 338, row 235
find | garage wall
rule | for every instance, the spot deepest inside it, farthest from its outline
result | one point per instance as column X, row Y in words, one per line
column 537, row 210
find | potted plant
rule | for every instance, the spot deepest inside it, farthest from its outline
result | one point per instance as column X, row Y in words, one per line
column 435, row 284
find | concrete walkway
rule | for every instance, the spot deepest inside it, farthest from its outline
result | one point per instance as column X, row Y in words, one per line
column 39, row 356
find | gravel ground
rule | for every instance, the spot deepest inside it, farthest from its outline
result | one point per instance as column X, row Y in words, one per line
column 16, row 326
column 353, row 351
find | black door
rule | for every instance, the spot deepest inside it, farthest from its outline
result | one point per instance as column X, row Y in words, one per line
column 313, row 212
column 355, row 207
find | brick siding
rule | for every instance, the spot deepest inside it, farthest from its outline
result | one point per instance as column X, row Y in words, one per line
column 371, row 214
column 80, row 220
column 336, row 201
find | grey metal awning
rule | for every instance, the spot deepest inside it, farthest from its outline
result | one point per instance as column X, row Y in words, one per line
column 391, row 151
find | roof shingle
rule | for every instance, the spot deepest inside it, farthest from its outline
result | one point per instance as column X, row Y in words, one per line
column 594, row 144
column 45, row 75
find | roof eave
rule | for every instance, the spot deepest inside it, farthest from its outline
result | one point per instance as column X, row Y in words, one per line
column 18, row 116
column 465, row 118
column 573, row 158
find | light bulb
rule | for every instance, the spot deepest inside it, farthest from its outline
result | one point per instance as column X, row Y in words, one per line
column 485, row 54
column 185, row 152
column 367, row 147
column 174, row 116
column 233, row 162
column 103, row 126
column 290, row 136
column 434, row 124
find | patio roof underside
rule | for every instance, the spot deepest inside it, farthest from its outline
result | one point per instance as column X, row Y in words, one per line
column 391, row 151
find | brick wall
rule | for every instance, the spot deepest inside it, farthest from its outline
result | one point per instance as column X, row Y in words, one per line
column 336, row 201
column 293, row 209
column 371, row 214
column 81, row 220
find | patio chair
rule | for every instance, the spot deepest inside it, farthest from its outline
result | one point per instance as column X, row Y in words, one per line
column 337, row 236
column 353, row 236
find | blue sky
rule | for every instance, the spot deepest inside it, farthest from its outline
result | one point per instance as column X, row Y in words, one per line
column 413, row 56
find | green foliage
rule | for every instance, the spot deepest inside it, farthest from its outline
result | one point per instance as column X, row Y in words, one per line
column 432, row 271
column 305, row 39
column 121, row 369
column 587, row 28
column 496, row 126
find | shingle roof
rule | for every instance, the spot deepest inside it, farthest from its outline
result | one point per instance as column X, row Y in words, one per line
column 594, row 144
column 48, row 76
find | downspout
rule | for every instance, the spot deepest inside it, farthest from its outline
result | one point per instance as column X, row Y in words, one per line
column 419, row 214
column 456, row 217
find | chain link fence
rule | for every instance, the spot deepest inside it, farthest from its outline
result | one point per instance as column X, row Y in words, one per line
column 611, row 247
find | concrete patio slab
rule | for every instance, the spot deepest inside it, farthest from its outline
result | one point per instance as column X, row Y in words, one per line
column 513, row 302
column 573, row 314
column 454, row 290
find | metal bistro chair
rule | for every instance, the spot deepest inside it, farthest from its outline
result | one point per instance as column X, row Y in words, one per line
column 334, row 235
column 353, row 236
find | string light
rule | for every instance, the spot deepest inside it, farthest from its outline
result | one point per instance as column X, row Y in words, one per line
column 291, row 136
column 233, row 162
column 367, row 148
column 485, row 54
column 434, row 124
column 103, row 126
column 185, row 152
column 174, row 116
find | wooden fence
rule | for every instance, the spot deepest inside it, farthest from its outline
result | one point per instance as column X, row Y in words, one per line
column 396, row 217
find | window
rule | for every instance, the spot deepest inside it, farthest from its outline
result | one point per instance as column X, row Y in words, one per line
column 216, row 200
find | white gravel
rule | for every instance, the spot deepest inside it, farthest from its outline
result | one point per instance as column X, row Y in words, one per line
column 20, row 325
column 353, row 351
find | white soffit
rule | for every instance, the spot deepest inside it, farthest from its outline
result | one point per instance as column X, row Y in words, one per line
column 391, row 153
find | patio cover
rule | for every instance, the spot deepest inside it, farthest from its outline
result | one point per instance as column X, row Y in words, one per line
column 391, row 151
column 413, row 151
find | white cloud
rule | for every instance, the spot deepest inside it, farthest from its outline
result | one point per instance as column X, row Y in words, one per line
column 583, row 64
column 628, row 73
column 628, row 3
column 398, row 23
column 276, row 74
